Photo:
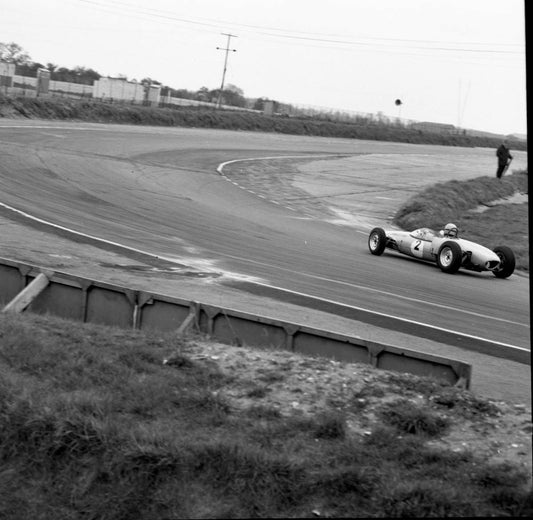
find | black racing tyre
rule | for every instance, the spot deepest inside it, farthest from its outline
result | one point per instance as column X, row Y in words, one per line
column 450, row 257
column 507, row 262
column 377, row 241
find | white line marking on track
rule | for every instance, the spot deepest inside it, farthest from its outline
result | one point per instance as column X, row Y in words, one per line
column 43, row 127
column 221, row 166
column 204, row 264
column 434, row 327
column 42, row 221
column 377, row 291
column 256, row 280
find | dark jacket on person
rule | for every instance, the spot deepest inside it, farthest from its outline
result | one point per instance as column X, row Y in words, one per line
column 503, row 154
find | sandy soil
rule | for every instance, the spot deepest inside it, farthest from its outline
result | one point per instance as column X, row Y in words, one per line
column 299, row 385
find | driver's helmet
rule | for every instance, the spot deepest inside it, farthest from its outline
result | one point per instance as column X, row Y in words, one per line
column 450, row 230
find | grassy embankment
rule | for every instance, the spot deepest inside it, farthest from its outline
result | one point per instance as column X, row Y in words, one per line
column 201, row 117
column 453, row 201
column 93, row 425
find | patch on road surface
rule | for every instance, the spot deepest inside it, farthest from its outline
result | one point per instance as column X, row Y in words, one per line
column 154, row 270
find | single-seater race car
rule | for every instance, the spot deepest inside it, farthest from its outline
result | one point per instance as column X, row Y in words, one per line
column 445, row 248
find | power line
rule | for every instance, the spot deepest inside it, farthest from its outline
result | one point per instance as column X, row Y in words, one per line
column 360, row 43
column 372, row 42
column 209, row 22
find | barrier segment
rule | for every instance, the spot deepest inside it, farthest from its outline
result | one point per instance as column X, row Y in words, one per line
column 191, row 320
column 28, row 294
column 93, row 301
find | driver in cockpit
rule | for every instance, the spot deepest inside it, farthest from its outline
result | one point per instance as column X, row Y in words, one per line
column 450, row 231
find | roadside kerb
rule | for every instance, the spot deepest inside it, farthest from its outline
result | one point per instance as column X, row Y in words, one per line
column 87, row 300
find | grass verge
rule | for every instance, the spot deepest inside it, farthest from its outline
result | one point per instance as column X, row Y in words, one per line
column 201, row 117
column 94, row 425
column 454, row 201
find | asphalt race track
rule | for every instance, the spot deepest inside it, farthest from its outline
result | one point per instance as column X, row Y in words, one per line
column 158, row 190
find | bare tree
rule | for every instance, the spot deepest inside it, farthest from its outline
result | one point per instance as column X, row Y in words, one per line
column 13, row 53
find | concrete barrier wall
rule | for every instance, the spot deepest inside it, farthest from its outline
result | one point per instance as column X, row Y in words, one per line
column 71, row 88
column 87, row 300
column 25, row 80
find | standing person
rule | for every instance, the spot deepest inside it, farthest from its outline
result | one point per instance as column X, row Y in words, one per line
column 504, row 158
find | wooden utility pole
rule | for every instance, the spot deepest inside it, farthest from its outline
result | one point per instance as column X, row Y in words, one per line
column 227, row 49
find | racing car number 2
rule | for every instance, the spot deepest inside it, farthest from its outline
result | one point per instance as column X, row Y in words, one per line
column 417, row 248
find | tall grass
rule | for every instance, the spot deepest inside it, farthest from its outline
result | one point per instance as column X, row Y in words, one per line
column 93, row 425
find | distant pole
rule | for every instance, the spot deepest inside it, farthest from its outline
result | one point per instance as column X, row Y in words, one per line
column 227, row 49
column 464, row 102
column 459, row 107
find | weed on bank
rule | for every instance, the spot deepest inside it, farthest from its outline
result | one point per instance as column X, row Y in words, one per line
column 93, row 425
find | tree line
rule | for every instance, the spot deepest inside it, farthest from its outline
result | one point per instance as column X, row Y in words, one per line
column 24, row 66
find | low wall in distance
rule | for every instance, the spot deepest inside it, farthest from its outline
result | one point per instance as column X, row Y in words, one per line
column 87, row 300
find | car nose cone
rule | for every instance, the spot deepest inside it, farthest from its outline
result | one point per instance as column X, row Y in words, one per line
column 492, row 264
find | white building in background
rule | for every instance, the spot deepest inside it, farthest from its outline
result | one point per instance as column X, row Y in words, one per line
column 118, row 88
column 427, row 126
column 124, row 90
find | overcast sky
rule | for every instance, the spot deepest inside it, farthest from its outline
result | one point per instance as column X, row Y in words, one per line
column 450, row 61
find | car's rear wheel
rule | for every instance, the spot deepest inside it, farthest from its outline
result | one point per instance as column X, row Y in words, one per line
column 507, row 262
column 449, row 257
column 377, row 241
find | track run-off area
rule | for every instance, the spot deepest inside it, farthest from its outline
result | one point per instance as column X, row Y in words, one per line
column 276, row 215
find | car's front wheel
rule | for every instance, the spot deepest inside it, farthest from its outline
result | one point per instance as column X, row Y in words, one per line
column 507, row 262
column 449, row 257
column 377, row 241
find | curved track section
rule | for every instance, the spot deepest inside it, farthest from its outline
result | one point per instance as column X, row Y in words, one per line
column 157, row 190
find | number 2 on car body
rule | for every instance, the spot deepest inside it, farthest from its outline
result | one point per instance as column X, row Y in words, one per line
column 417, row 248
